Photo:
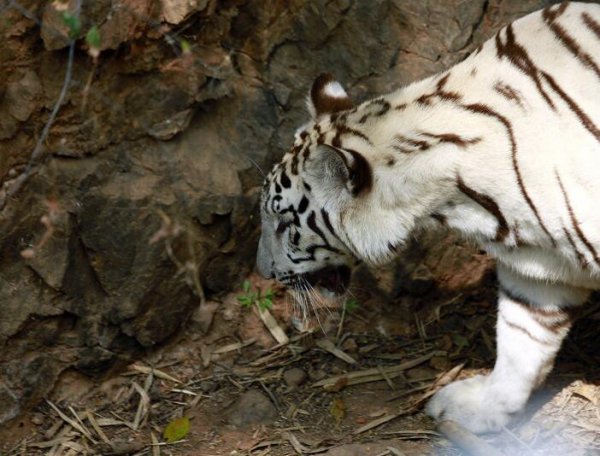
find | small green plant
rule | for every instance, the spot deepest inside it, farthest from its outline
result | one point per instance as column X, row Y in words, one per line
column 350, row 305
column 250, row 297
column 92, row 37
column 185, row 45
column 73, row 23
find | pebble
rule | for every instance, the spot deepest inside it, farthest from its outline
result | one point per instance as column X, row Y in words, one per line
column 350, row 345
column 209, row 386
column 294, row 377
column 252, row 407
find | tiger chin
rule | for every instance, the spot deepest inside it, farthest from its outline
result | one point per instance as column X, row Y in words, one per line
column 503, row 148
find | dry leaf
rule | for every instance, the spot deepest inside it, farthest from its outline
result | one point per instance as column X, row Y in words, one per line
column 177, row 429
column 337, row 410
column 338, row 386
column 587, row 392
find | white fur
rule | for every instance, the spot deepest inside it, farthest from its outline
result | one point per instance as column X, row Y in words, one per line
column 549, row 142
column 335, row 90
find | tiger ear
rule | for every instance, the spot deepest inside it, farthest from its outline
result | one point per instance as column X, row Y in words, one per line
column 327, row 96
column 342, row 169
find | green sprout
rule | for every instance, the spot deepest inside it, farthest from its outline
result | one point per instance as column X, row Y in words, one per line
column 92, row 37
column 73, row 23
column 250, row 297
column 350, row 305
column 185, row 46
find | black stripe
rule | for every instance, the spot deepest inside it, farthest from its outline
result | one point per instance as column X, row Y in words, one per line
column 575, row 222
column 591, row 24
column 311, row 221
column 343, row 130
column 551, row 319
column 303, row 205
column 526, row 332
column 583, row 117
column 582, row 261
column 453, row 138
column 509, row 93
column 489, row 205
column 441, row 218
column 569, row 42
column 487, row 111
column 328, row 224
column 419, row 144
column 517, row 55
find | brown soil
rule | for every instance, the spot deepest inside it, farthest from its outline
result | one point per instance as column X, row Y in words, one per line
column 441, row 330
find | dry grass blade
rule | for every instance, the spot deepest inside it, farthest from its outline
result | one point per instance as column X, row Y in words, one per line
column 233, row 347
column 76, row 447
column 374, row 374
column 150, row 370
column 96, row 427
column 449, row 376
column 386, row 377
column 384, row 453
column 380, row 421
column 104, row 422
column 273, row 326
column 396, row 451
column 586, row 391
column 155, row 445
column 143, row 406
column 54, row 428
column 51, row 443
column 330, row 347
column 184, row 391
column 466, row 440
column 299, row 447
column 76, row 416
column 412, row 434
column 71, row 421
column 266, row 444
column 407, row 393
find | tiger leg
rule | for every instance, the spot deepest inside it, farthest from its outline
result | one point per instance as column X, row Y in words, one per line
column 533, row 319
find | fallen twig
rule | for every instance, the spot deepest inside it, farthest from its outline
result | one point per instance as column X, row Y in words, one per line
column 382, row 420
column 330, row 347
column 71, row 421
column 147, row 370
column 375, row 374
column 273, row 326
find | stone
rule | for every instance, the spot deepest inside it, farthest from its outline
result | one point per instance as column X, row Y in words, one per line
column 294, row 377
column 175, row 11
column 22, row 95
column 9, row 404
column 252, row 407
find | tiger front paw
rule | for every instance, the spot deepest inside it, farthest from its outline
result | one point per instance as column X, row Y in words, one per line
column 473, row 404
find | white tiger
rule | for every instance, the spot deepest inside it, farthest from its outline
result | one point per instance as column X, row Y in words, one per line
column 504, row 148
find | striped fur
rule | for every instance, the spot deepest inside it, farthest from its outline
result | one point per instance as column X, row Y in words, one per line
column 503, row 148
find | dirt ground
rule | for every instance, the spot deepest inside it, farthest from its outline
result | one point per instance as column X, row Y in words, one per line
column 358, row 391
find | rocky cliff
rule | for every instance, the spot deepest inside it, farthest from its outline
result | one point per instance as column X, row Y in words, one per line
column 129, row 135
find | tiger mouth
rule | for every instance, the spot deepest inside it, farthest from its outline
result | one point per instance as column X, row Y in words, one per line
column 331, row 278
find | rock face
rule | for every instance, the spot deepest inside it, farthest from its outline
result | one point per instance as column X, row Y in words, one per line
column 145, row 184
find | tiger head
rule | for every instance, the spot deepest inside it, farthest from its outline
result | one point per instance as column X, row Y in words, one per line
column 309, row 196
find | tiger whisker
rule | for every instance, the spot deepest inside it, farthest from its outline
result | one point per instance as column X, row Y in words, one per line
column 310, row 293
